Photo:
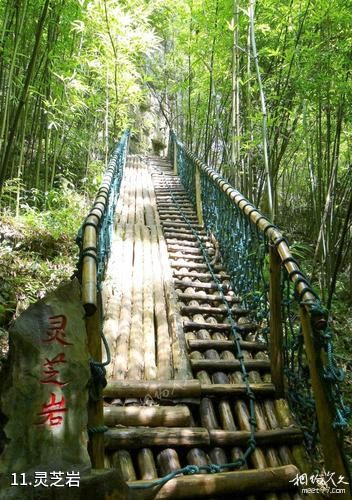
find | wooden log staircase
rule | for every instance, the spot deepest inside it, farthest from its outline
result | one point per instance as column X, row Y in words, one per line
column 175, row 393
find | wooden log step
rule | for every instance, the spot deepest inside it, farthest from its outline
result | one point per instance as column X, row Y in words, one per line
column 236, row 311
column 182, row 225
column 159, row 187
column 167, row 218
column 176, row 214
column 185, row 236
column 199, row 276
column 189, row 250
column 144, row 437
column 167, row 200
column 219, row 327
column 151, row 416
column 273, row 437
column 167, row 195
column 224, row 345
column 192, row 284
column 235, row 484
column 168, row 184
column 192, row 389
column 166, row 389
column 225, row 365
column 184, row 205
column 175, row 255
column 207, row 297
column 264, row 389
column 190, row 265
column 187, row 244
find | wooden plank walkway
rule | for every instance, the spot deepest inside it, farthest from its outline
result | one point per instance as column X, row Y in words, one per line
column 175, row 393
column 142, row 323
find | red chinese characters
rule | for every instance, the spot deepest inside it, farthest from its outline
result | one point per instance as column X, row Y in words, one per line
column 52, row 411
column 56, row 330
column 50, row 373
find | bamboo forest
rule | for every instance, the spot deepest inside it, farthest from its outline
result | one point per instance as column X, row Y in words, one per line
column 175, row 249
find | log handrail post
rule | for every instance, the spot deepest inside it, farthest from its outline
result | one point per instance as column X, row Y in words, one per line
column 198, row 189
column 91, row 264
column 331, row 443
column 95, row 408
column 175, row 157
column 276, row 330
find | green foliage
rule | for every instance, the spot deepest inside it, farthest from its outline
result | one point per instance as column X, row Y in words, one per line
column 85, row 86
column 65, row 209
column 37, row 250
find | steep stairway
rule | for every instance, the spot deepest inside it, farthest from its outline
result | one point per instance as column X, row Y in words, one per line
column 177, row 393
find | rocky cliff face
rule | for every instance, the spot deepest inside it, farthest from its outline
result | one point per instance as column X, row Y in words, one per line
column 151, row 131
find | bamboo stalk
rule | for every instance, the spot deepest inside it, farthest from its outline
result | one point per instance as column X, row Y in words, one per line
column 136, row 354
column 95, row 408
column 135, row 437
column 112, row 296
column 155, row 389
column 225, row 412
column 89, row 269
column 148, row 310
column 331, row 443
column 164, row 366
column 122, row 461
column 242, row 419
column 168, row 461
column 218, row 456
column 140, row 182
column 276, row 331
column 207, row 414
column 203, row 296
column 120, row 359
column 212, row 325
column 198, row 197
column 151, row 416
column 131, row 216
column 175, row 158
column 196, row 456
column 225, row 365
column 126, row 183
column 220, row 345
column 236, row 484
column 146, row 464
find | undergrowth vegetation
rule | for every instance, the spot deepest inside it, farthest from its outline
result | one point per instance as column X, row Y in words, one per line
column 37, row 251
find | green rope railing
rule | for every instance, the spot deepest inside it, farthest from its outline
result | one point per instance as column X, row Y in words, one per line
column 244, row 236
column 251, row 444
column 100, row 219
column 94, row 240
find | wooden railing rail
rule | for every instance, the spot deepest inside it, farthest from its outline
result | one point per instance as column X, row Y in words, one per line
column 313, row 317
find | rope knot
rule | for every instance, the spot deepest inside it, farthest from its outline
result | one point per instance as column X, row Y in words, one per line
column 97, row 381
column 192, row 469
column 252, row 443
column 214, row 468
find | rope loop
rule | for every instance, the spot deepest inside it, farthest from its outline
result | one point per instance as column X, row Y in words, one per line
column 99, row 429
column 191, row 469
column 214, row 468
